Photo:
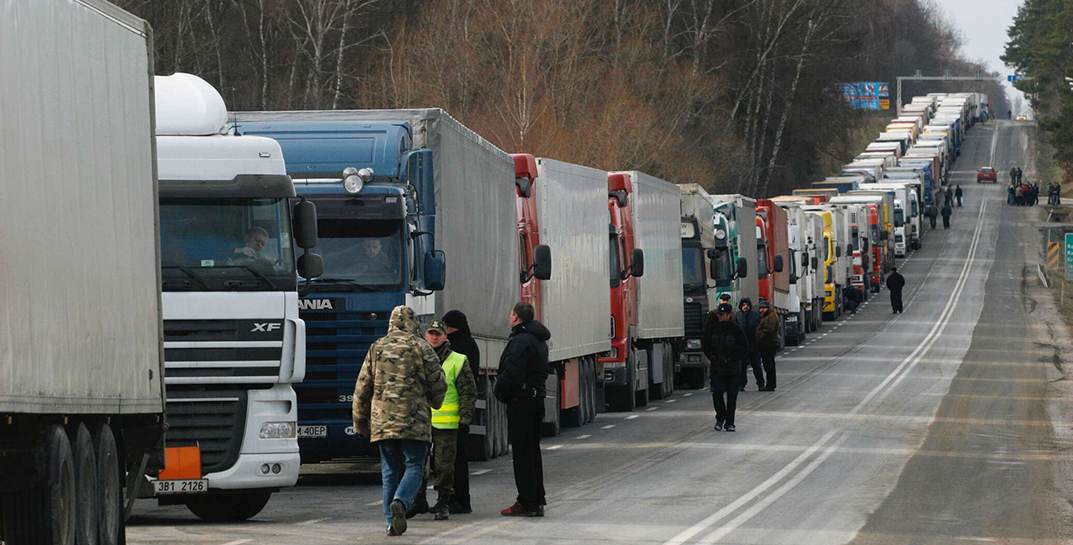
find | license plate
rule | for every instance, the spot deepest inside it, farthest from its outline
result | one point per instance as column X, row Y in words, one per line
column 193, row 486
column 312, row 432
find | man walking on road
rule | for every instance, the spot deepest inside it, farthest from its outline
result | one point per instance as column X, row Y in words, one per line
column 767, row 341
column 456, row 411
column 932, row 213
column 461, row 339
column 748, row 319
column 947, row 211
column 523, row 370
column 895, row 283
column 958, row 194
column 725, row 345
column 400, row 382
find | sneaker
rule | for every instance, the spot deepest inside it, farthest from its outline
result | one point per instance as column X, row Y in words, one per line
column 398, row 517
column 729, row 427
column 519, row 510
column 441, row 511
column 718, row 425
column 391, row 532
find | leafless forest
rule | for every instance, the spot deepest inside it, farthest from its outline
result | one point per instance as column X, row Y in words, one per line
column 738, row 95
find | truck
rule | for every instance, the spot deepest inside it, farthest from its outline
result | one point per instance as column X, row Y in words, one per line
column 700, row 265
column 648, row 316
column 806, row 280
column 886, row 223
column 735, row 228
column 395, row 192
column 561, row 210
column 829, row 254
column 233, row 340
column 82, row 399
column 775, row 288
column 908, row 212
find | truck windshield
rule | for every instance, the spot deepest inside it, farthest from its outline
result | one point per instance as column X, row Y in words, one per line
column 761, row 260
column 899, row 217
column 226, row 245
column 693, row 266
column 615, row 266
column 361, row 253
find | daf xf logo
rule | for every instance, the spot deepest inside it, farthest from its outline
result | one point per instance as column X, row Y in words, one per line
column 315, row 304
column 265, row 327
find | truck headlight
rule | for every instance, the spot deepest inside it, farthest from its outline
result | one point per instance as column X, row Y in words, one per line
column 692, row 344
column 278, row 430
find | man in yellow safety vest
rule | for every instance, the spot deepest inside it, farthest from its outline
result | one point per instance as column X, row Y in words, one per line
column 456, row 410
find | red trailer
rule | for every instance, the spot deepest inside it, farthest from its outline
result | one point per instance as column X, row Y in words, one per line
column 775, row 286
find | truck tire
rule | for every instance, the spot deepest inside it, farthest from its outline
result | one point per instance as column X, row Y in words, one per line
column 228, row 507
column 86, row 496
column 109, row 487
column 44, row 514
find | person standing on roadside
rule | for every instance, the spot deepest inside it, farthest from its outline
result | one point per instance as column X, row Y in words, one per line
column 958, row 194
column 748, row 319
column 523, row 371
column 725, row 345
column 895, row 283
column 461, row 339
column 767, row 342
column 400, row 382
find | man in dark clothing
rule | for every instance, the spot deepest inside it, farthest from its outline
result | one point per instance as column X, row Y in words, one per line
column 932, row 213
column 895, row 283
column 958, row 194
column 748, row 319
column 523, row 370
column 767, row 342
column 1020, row 174
column 946, row 215
column 461, row 340
column 1013, row 175
column 725, row 345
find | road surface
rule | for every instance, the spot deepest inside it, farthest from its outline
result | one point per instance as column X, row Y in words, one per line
column 947, row 424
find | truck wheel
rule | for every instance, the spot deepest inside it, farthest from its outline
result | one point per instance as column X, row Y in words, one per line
column 228, row 507
column 86, row 493
column 109, row 497
column 44, row 514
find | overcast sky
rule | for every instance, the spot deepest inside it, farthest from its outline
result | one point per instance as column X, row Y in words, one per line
column 983, row 25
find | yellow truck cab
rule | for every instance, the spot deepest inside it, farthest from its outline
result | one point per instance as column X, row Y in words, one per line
column 830, row 288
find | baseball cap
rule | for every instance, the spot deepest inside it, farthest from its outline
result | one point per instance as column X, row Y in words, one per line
column 437, row 326
column 724, row 296
column 725, row 308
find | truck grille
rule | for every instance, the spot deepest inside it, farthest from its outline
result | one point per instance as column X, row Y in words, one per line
column 336, row 344
column 214, row 419
column 235, row 352
column 694, row 319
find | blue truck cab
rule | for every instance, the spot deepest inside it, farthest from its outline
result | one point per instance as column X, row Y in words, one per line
column 376, row 210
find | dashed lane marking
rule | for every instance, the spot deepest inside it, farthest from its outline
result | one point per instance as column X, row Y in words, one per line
column 632, row 416
column 586, row 436
column 650, row 409
column 687, row 394
column 479, row 472
column 380, row 502
column 238, row 542
column 670, row 401
column 607, row 427
column 553, row 447
column 312, row 521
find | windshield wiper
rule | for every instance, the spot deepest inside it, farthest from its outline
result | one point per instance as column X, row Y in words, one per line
column 252, row 271
column 348, row 282
column 190, row 274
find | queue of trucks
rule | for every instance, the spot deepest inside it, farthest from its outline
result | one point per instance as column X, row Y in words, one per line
column 238, row 266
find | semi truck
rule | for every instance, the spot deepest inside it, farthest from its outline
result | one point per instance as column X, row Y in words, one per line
column 234, row 345
column 805, row 293
column 700, row 265
column 396, row 192
column 561, row 210
column 775, row 288
column 82, row 399
column 648, row 316
column 735, row 217
column 830, row 254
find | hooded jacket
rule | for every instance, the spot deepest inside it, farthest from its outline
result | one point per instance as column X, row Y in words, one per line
column 462, row 340
column 748, row 321
column 895, row 282
column 400, row 382
column 523, row 367
column 725, row 345
column 767, row 332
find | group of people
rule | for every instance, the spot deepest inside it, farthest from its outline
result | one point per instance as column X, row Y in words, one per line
column 734, row 342
column 1021, row 192
column 417, row 389
column 949, row 198
column 1054, row 194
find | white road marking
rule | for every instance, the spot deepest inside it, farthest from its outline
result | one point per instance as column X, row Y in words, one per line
column 586, row 436
column 479, row 472
column 650, row 409
column 607, row 427
column 374, row 503
column 994, row 143
column 687, row 394
column 670, row 401
column 632, row 416
column 553, row 447
column 313, row 521
column 238, row 542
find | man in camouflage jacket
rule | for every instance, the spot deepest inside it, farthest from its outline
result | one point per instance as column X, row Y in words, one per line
column 400, row 382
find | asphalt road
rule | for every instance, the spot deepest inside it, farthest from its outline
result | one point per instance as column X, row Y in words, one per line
column 949, row 423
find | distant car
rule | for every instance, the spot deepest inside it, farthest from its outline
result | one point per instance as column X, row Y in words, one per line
column 987, row 174
column 1022, row 117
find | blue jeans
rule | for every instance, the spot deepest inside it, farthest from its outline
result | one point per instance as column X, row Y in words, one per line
column 402, row 469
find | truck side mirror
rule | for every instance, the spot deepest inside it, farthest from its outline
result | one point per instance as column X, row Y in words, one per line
column 638, row 268
column 435, row 271
column 616, row 281
column 305, row 225
column 778, row 263
column 310, row 265
column 849, row 249
column 805, row 259
column 815, row 263
column 542, row 262
column 742, row 268
column 838, row 251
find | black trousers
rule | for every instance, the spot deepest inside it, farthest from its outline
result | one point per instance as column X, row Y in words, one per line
column 724, row 397
column 462, row 468
column 752, row 359
column 768, row 356
column 896, row 300
column 524, row 418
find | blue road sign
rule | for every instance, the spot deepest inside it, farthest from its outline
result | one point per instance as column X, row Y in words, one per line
column 1012, row 78
column 1069, row 256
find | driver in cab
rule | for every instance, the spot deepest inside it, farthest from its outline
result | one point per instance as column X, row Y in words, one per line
column 250, row 254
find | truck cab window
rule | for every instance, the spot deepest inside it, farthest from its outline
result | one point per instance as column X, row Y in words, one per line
column 761, row 259
column 693, row 266
column 368, row 252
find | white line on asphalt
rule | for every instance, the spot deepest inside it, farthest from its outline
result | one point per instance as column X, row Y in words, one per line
column 632, row 416
column 687, row 394
column 607, row 427
column 650, row 409
column 994, row 142
column 586, row 436
column 670, row 401
column 553, row 447
column 238, row 542
column 479, row 472
column 313, row 521
column 888, row 384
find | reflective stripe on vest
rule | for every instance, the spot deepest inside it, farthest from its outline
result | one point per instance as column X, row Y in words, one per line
column 446, row 417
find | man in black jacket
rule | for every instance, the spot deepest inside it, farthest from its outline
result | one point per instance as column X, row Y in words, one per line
column 523, row 370
column 748, row 319
column 895, row 283
column 461, row 340
column 725, row 345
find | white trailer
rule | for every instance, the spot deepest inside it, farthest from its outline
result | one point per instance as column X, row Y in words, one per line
column 81, row 389
column 656, row 210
